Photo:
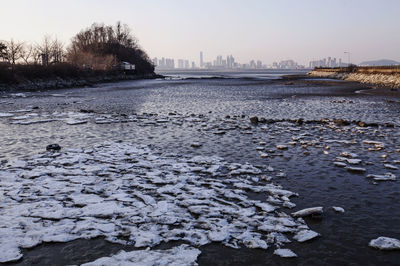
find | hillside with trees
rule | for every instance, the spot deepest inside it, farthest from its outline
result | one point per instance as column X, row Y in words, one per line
column 94, row 52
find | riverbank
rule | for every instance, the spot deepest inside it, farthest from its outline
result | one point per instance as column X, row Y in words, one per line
column 381, row 77
column 59, row 83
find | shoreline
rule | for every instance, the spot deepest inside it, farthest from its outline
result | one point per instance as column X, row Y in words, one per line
column 63, row 83
column 367, row 89
column 376, row 77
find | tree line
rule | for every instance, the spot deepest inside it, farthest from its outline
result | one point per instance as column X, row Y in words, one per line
column 97, row 48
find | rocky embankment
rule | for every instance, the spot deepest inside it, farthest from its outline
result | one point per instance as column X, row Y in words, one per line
column 380, row 79
column 57, row 83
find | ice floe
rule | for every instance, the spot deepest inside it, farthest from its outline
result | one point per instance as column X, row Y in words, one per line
column 385, row 243
column 133, row 195
column 385, row 177
column 181, row 255
column 285, row 253
column 305, row 235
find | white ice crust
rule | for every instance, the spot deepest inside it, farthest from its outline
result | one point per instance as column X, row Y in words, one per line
column 133, row 195
column 181, row 255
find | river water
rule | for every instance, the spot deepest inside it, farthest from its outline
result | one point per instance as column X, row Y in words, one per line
column 196, row 108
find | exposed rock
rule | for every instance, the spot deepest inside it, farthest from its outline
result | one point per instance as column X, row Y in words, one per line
column 254, row 120
column 281, row 147
column 355, row 169
column 196, row 145
column 53, row 147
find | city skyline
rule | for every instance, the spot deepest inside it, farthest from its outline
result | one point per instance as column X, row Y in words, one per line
column 268, row 30
column 230, row 63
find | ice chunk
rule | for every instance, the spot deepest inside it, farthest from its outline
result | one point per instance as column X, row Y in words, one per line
column 372, row 142
column 347, row 154
column 305, row 235
column 75, row 122
column 353, row 161
column 338, row 209
column 391, row 167
column 385, row 177
column 308, row 211
column 265, row 206
column 340, row 164
column 6, row 115
column 285, row 253
column 385, row 243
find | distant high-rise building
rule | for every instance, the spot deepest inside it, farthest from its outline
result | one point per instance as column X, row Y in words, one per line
column 201, row 59
column 181, row 63
column 326, row 62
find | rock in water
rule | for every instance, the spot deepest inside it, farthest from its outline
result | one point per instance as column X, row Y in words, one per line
column 281, row 147
column 254, row 120
column 385, row 243
column 308, row 211
column 195, row 145
column 285, row 253
column 355, row 169
column 53, row 147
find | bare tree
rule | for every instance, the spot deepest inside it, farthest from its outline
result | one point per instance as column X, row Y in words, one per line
column 27, row 53
column 14, row 51
column 57, row 51
column 3, row 51
column 43, row 50
column 49, row 51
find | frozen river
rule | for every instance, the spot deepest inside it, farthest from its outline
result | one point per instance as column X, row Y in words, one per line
column 177, row 162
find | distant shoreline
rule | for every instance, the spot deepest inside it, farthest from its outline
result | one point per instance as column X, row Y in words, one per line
column 60, row 83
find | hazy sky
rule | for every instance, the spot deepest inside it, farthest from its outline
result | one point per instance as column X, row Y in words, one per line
column 269, row 30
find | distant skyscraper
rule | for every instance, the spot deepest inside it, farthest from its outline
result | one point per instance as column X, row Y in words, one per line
column 201, row 59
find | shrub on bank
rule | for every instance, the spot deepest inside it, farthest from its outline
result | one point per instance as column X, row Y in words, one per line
column 21, row 73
